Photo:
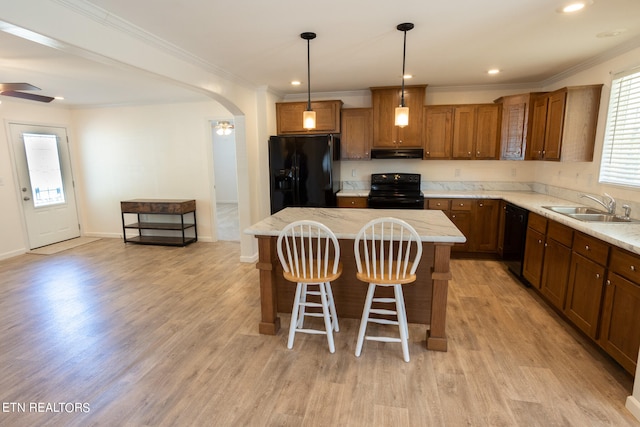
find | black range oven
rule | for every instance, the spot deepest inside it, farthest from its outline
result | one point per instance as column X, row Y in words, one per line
column 395, row 191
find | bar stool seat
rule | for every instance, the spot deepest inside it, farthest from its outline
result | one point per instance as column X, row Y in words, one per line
column 310, row 257
column 387, row 252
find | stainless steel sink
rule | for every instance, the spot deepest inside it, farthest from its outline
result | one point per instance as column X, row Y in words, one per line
column 584, row 213
column 569, row 210
column 600, row 218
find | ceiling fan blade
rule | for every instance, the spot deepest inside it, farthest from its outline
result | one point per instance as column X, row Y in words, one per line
column 17, row 86
column 29, row 96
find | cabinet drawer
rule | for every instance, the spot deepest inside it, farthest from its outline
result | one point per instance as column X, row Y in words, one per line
column 352, row 202
column 591, row 248
column 560, row 233
column 438, row 204
column 625, row 264
column 537, row 222
column 461, row 204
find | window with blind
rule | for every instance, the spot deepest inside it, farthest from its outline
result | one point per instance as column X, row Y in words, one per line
column 621, row 150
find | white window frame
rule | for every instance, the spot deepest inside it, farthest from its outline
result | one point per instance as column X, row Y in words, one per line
column 620, row 163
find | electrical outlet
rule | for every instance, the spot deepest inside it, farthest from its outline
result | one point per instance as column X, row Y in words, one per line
column 354, row 172
column 514, row 171
column 456, row 172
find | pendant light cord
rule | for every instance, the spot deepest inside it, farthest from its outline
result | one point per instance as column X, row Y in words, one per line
column 309, row 76
column 404, row 54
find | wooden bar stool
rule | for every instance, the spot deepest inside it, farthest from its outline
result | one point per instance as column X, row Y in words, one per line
column 310, row 256
column 387, row 252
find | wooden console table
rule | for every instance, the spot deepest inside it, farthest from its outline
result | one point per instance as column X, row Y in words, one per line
column 165, row 222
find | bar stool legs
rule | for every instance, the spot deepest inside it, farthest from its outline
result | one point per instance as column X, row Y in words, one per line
column 299, row 312
column 399, row 312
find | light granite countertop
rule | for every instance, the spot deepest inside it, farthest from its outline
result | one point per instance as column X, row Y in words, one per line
column 623, row 235
column 431, row 225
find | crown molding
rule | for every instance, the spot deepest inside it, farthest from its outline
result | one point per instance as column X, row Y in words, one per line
column 103, row 17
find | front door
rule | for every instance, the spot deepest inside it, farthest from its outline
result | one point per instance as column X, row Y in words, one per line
column 43, row 166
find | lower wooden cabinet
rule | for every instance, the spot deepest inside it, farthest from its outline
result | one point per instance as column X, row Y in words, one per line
column 584, row 294
column 557, row 259
column 534, row 249
column 477, row 219
column 351, row 202
column 619, row 331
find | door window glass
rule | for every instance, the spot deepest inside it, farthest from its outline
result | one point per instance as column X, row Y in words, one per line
column 43, row 163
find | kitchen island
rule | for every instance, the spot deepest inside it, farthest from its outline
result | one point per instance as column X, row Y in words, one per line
column 425, row 299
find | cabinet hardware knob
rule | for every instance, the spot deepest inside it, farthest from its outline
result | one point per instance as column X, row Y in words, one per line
column 453, row 216
column 597, row 275
column 633, row 268
column 481, row 205
column 608, row 282
column 545, row 245
column 461, row 204
column 478, row 153
column 428, row 153
column 586, row 247
column 539, row 241
column 469, row 153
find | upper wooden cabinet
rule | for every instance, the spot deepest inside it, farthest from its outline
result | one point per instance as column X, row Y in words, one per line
column 289, row 117
column 357, row 133
column 564, row 124
column 515, row 127
column 438, row 132
column 476, row 131
column 384, row 101
column 461, row 131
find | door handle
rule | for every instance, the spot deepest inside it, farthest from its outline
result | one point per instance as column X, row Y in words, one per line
column 25, row 198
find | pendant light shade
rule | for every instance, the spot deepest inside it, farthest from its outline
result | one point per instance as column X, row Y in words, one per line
column 402, row 112
column 309, row 116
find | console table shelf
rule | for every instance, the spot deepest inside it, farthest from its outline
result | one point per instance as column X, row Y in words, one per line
column 165, row 222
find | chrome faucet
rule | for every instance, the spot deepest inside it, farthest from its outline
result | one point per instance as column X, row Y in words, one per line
column 609, row 205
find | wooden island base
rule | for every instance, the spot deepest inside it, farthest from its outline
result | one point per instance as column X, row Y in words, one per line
column 425, row 300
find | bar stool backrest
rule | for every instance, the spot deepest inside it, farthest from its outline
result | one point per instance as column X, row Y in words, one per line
column 387, row 251
column 309, row 252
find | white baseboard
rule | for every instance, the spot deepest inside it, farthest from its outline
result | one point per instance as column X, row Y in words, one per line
column 11, row 254
column 249, row 259
column 633, row 405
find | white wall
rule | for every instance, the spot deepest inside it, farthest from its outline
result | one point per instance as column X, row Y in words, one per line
column 155, row 151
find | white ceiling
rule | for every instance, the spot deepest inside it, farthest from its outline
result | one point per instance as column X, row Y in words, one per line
column 453, row 43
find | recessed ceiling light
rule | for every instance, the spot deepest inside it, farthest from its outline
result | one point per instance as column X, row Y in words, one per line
column 574, row 6
column 407, row 76
column 612, row 33
column 493, row 71
column 59, row 98
column 296, row 83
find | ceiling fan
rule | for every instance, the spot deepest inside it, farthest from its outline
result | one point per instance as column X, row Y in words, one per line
column 15, row 90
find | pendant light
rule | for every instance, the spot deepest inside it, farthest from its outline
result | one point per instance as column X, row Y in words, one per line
column 402, row 112
column 309, row 116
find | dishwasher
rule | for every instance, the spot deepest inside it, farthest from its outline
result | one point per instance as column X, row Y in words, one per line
column 515, row 232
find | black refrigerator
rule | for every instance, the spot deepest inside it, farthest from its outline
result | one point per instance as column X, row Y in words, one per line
column 304, row 171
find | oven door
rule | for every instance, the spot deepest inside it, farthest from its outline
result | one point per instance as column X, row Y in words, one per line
column 384, row 202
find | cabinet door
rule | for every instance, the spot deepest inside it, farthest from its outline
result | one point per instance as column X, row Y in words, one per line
column 464, row 124
column 620, row 335
column 438, row 132
column 538, row 127
column 356, row 136
column 462, row 220
column 584, row 294
column 487, row 131
column 533, row 257
column 414, row 99
column 486, row 218
column 555, row 272
column 289, row 117
column 384, row 102
column 555, row 125
column 515, row 110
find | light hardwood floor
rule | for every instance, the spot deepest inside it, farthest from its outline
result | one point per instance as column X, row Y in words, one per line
column 154, row 336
